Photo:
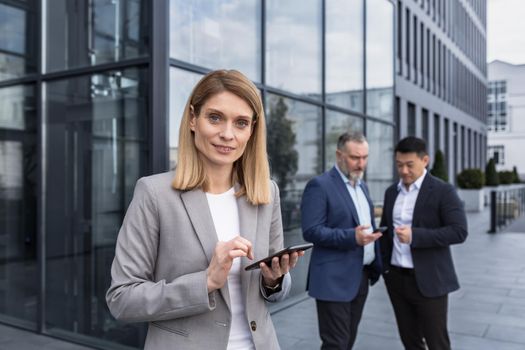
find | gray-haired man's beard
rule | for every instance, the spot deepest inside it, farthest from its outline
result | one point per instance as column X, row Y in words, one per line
column 354, row 176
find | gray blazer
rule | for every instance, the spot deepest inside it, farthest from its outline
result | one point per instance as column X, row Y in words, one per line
column 164, row 247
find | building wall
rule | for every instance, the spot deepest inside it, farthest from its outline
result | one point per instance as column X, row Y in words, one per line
column 508, row 140
column 441, row 75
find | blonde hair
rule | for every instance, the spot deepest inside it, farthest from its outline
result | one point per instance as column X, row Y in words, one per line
column 251, row 171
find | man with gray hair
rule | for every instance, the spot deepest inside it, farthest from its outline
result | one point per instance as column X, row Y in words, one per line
column 337, row 216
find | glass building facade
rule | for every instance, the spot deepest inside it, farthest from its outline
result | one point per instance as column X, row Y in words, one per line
column 441, row 78
column 91, row 97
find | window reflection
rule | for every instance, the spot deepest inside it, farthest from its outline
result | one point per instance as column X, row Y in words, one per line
column 294, row 149
column 17, row 39
column 85, row 33
column 379, row 173
column 181, row 85
column 96, row 150
column 379, row 59
column 344, row 54
column 293, row 46
column 18, row 206
column 217, row 34
column 336, row 124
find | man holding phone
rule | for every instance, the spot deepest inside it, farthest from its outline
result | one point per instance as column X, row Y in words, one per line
column 337, row 217
column 424, row 216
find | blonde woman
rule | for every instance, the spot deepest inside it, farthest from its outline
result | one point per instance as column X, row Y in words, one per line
column 188, row 234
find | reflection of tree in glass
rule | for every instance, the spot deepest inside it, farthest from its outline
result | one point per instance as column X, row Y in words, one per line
column 281, row 142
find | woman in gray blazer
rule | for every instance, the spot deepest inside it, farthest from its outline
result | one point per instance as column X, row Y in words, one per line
column 188, row 234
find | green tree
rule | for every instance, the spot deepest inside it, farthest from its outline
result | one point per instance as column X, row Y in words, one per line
column 506, row 177
column 471, row 179
column 281, row 143
column 517, row 179
column 491, row 175
column 439, row 169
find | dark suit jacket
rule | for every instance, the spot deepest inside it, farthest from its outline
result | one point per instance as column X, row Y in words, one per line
column 328, row 220
column 438, row 221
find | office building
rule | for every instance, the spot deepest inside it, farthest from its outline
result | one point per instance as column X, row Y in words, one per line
column 91, row 94
column 441, row 79
column 506, row 115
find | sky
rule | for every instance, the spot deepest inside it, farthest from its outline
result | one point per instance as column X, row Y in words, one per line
column 506, row 31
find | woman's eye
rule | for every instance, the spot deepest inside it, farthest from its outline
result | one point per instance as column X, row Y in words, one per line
column 242, row 123
column 213, row 118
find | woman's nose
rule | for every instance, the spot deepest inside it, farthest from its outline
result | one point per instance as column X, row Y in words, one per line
column 227, row 132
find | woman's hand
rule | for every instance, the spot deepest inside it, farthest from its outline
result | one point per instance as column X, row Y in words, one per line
column 279, row 268
column 222, row 260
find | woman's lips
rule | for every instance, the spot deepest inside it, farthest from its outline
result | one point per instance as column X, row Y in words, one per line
column 224, row 149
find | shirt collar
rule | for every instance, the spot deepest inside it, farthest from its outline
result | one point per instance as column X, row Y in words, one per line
column 344, row 178
column 415, row 186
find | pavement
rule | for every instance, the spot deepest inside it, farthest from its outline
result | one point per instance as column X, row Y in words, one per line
column 488, row 312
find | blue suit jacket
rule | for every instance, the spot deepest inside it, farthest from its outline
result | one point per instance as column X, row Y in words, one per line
column 329, row 218
column 438, row 222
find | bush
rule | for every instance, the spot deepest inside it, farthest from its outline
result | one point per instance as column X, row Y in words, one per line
column 471, row 179
column 439, row 168
column 506, row 177
column 491, row 175
column 517, row 179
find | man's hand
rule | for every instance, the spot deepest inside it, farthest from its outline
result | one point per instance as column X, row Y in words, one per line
column 404, row 234
column 362, row 236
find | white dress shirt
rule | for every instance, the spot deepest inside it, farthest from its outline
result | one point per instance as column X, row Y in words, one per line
column 363, row 212
column 402, row 216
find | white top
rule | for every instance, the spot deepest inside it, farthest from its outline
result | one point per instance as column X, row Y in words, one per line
column 402, row 215
column 363, row 212
column 225, row 215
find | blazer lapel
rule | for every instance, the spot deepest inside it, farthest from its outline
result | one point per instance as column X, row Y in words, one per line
column 196, row 205
column 422, row 197
column 389, row 208
column 343, row 191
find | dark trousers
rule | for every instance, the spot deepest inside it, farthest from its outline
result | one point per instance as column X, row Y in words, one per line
column 338, row 321
column 420, row 320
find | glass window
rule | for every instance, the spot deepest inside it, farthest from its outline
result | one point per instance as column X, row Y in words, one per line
column 97, row 148
column 294, row 149
column 217, row 34
column 181, row 85
column 336, row 124
column 293, row 46
column 18, row 39
column 411, row 119
column 379, row 64
column 380, row 158
column 344, row 54
column 86, row 33
column 18, row 206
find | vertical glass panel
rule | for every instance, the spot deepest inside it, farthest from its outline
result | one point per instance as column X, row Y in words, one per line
column 336, row 124
column 181, row 85
column 91, row 32
column 379, row 59
column 97, row 148
column 18, row 39
column 379, row 174
column 344, row 54
column 294, row 148
column 18, row 206
column 217, row 34
column 411, row 119
column 293, row 46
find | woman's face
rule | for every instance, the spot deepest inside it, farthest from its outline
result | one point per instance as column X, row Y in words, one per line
column 222, row 129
